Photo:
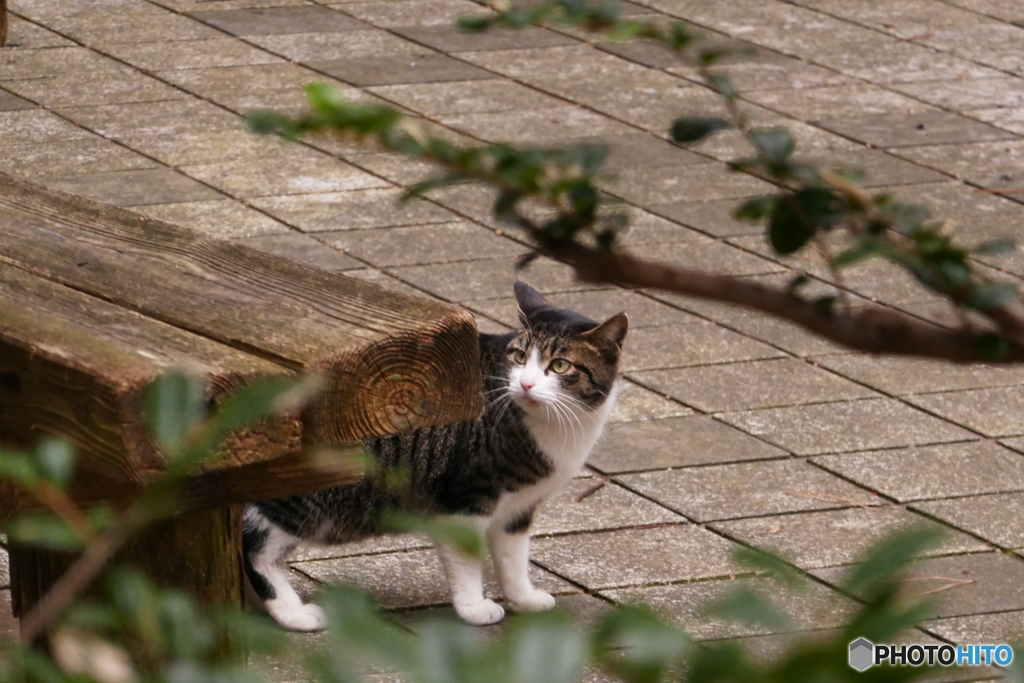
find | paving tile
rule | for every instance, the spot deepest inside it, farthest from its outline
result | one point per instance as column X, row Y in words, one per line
column 191, row 54
column 354, row 210
column 130, row 25
column 108, row 86
column 370, row 546
column 642, row 311
column 134, row 187
column 466, row 97
column 449, row 38
column 435, row 243
column 674, row 442
column 836, row 537
column 809, row 606
column 879, row 169
column 755, row 384
column 998, row 518
column 224, row 218
column 142, row 118
column 5, row 572
column 421, row 67
column 1001, row 627
column 915, row 473
column 202, row 5
column 902, row 376
column 675, row 346
column 846, row 426
column 714, row 217
column 923, row 128
column 319, row 49
column 995, row 165
column 1011, row 119
column 298, row 171
column 487, row 278
column 26, row 35
column 635, row 404
column 48, row 9
column 748, row 489
column 408, row 579
column 684, row 183
column 608, row 507
column 776, row 72
column 397, row 168
column 379, row 277
column 192, row 147
column 811, row 104
column 8, row 624
column 994, row 589
column 967, row 94
column 278, row 20
column 87, row 155
column 399, row 13
column 11, row 102
column 304, row 250
column 637, row 556
column 992, row 412
column 39, row 63
column 36, row 126
column 555, row 123
column 697, row 253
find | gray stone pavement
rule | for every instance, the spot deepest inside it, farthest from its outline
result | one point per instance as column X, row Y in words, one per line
column 735, row 428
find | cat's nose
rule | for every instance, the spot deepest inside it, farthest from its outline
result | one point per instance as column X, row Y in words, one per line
column 526, row 385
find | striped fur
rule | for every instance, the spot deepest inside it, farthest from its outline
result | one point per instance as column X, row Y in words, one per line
column 536, row 430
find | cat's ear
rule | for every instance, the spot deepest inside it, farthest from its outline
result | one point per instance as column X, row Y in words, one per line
column 528, row 300
column 613, row 329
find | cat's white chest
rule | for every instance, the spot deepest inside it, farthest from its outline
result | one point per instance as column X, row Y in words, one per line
column 567, row 443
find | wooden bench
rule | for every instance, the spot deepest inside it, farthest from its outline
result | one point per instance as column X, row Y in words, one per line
column 97, row 301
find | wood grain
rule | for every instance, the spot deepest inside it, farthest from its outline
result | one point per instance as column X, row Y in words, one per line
column 394, row 362
column 77, row 366
column 3, row 22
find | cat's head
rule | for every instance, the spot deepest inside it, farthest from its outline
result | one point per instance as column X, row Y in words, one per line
column 561, row 357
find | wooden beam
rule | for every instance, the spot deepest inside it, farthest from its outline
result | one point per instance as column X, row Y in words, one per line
column 77, row 366
column 3, row 22
column 393, row 362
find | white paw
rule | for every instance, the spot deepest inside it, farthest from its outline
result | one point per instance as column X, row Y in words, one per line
column 481, row 613
column 299, row 618
column 535, row 601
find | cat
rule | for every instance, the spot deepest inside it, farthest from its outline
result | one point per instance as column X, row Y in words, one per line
column 548, row 388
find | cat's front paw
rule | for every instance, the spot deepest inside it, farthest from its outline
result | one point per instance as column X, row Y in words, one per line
column 535, row 601
column 307, row 617
column 481, row 613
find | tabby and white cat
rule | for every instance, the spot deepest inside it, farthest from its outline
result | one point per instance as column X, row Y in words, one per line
column 548, row 387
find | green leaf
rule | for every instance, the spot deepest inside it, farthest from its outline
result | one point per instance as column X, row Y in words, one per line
column 624, row 31
column 19, row 468
column 474, row 23
column 756, row 209
column 723, row 86
column 448, row 531
column 825, row 304
column 174, row 405
column 43, row 529
column 776, row 144
column 1003, row 245
column 989, row 295
column 709, row 56
column 691, row 129
column 546, row 648
column 887, row 557
column 55, row 460
column 797, row 217
column 644, row 647
column 324, row 98
column 859, row 252
column 265, row 122
column 746, row 606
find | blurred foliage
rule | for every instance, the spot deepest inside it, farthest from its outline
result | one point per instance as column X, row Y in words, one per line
column 135, row 631
column 812, row 207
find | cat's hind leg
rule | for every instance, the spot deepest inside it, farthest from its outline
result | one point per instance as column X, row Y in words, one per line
column 264, row 547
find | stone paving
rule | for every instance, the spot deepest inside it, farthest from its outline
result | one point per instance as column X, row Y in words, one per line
column 735, row 428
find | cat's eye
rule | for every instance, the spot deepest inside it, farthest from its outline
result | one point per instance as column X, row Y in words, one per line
column 560, row 365
column 519, row 356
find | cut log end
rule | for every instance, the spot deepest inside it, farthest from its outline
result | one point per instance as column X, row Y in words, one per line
column 401, row 383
